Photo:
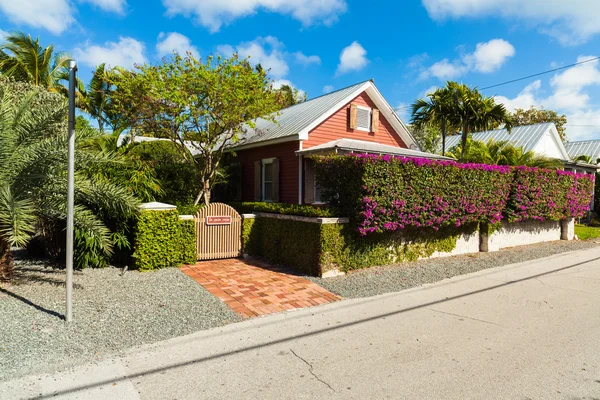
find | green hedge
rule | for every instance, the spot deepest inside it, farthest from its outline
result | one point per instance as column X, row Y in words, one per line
column 162, row 240
column 283, row 208
column 313, row 249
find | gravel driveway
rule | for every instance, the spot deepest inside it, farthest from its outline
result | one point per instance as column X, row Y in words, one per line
column 393, row 278
column 111, row 313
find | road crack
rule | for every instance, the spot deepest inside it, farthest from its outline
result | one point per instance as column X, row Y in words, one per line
column 464, row 316
column 310, row 369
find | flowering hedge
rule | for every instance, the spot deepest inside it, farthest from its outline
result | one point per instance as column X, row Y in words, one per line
column 541, row 194
column 385, row 193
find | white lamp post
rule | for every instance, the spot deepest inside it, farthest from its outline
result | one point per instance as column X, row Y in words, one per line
column 70, row 190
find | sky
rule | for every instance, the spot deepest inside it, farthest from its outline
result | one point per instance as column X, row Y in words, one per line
column 408, row 47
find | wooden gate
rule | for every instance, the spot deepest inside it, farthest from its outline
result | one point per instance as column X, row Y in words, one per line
column 218, row 232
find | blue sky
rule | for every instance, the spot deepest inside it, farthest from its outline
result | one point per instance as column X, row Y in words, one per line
column 407, row 47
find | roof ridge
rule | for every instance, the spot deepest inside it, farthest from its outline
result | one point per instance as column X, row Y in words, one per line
column 330, row 93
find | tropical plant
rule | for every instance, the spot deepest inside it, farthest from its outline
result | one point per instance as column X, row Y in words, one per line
column 475, row 112
column 538, row 116
column 586, row 159
column 24, row 59
column 435, row 112
column 205, row 107
column 428, row 138
column 291, row 96
column 33, row 180
column 97, row 100
column 501, row 153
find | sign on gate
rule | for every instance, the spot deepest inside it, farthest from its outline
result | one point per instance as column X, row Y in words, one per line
column 218, row 232
column 218, row 220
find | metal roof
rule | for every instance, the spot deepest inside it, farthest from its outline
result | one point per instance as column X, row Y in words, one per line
column 361, row 146
column 527, row 136
column 294, row 119
column 584, row 147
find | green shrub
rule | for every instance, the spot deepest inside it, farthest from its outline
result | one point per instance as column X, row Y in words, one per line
column 283, row 208
column 162, row 240
column 312, row 248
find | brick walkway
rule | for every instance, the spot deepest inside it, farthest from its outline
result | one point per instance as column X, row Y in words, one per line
column 253, row 288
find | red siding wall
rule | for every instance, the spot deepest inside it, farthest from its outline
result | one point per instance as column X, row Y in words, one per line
column 288, row 169
column 336, row 127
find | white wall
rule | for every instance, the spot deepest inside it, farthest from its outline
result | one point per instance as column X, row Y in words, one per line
column 522, row 233
column 548, row 147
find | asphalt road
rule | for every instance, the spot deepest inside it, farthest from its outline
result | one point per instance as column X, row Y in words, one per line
column 524, row 331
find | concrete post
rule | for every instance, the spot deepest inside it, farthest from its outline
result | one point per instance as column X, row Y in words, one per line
column 567, row 229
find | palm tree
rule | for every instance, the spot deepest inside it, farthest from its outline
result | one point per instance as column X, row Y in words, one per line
column 475, row 112
column 33, row 154
column 97, row 99
column 586, row 159
column 436, row 112
column 24, row 59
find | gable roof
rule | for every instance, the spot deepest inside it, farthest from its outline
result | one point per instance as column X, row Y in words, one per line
column 527, row 136
column 584, row 147
column 295, row 122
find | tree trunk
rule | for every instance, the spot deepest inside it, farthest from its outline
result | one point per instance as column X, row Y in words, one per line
column 443, row 138
column 465, row 135
column 6, row 261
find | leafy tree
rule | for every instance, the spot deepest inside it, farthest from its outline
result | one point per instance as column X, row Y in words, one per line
column 435, row 113
column 291, row 96
column 206, row 106
column 33, row 180
column 501, row 153
column 428, row 138
column 24, row 59
column 538, row 116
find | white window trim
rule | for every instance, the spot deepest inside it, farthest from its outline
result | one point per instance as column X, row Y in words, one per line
column 264, row 162
column 370, row 110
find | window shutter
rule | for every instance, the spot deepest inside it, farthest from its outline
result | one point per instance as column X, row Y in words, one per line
column 375, row 121
column 353, row 116
column 309, row 182
column 276, row 180
column 257, row 180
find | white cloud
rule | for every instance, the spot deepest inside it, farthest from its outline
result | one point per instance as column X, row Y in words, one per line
column 125, row 53
column 570, row 22
column 53, row 15
column 116, row 6
column 568, row 96
column 327, row 89
column 307, row 60
column 215, row 13
column 175, row 42
column 264, row 51
column 445, row 70
column 488, row 57
column 352, row 58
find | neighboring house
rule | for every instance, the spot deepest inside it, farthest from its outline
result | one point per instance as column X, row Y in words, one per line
column 356, row 119
column 542, row 139
column 590, row 148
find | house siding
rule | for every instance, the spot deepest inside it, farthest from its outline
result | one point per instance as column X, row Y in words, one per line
column 288, row 169
column 337, row 127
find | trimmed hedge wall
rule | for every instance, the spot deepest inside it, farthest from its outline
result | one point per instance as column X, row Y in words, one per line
column 162, row 240
column 385, row 193
column 314, row 249
column 283, row 208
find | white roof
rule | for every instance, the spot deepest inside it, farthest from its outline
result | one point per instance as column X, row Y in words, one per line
column 530, row 137
column 361, row 146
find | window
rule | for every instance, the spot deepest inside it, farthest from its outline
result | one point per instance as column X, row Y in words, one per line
column 318, row 194
column 363, row 118
column 267, row 179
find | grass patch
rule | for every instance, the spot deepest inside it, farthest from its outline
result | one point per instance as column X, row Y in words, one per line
column 587, row 232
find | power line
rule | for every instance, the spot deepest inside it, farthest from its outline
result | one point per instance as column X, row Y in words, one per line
column 540, row 73
column 525, row 77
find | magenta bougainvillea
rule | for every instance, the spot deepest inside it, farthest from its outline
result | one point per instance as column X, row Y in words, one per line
column 387, row 193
